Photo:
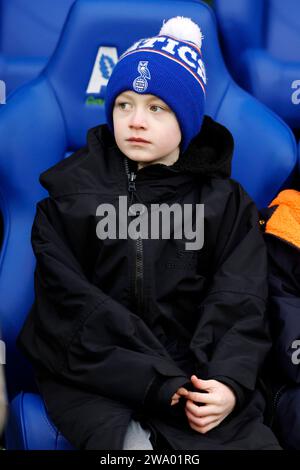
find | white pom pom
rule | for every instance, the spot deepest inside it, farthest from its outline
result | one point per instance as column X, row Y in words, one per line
column 184, row 29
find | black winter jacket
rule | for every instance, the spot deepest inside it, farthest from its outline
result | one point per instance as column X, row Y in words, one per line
column 119, row 324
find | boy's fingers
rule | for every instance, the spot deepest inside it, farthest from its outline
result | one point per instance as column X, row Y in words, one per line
column 199, row 383
column 201, row 422
column 206, row 398
column 182, row 391
column 201, row 411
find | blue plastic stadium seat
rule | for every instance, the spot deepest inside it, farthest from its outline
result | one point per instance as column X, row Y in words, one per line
column 30, row 427
column 49, row 117
column 29, row 30
column 262, row 49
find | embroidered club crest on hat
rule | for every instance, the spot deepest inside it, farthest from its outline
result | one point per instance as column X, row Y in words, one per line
column 169, row 66
column 140, row 83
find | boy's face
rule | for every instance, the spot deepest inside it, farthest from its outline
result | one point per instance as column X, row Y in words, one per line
column 150, row 119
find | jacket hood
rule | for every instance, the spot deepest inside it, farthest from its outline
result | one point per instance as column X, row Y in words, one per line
column 209, row 154
column 284, row 221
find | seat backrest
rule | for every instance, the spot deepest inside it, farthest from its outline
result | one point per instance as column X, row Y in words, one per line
column 261, row 45
column 51, row 115
column 241, row 24
column 29, row 30
column 282, row 29
column 272, row 25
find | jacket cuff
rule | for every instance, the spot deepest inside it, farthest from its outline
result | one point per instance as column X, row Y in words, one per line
column 238, row 390
column 161, row 390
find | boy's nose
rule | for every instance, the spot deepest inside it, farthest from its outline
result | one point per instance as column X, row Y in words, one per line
column 138, row 119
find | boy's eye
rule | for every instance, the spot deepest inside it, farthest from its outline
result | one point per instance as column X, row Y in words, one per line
column 123, row 105
column 156, row 108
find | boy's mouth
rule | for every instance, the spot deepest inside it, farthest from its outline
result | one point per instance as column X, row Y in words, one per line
column 138, row 139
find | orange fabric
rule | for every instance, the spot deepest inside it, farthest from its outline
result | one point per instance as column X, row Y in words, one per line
column 285, row 220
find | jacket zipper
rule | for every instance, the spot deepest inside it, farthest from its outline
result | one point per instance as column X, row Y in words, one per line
column 138, row 280
column 278, row 396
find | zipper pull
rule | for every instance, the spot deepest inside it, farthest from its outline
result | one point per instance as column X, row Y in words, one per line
column 131, row 189
column 131, row 183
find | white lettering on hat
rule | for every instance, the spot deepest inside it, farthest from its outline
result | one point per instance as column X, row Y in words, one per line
column 183, row 50
column 171, row 43
column 167, row 45
column 201, row 71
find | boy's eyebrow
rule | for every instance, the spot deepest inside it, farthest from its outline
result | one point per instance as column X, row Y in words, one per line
column 124, row 95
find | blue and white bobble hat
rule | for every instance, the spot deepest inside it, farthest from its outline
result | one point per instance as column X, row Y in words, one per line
column 169, row 66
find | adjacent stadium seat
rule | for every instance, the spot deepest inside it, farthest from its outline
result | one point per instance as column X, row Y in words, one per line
column 29, row 30
column 49, row 117
column 262, row 49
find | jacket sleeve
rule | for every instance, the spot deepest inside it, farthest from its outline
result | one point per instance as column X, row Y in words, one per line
column 232, row 338
column 78, row 333
column 284, row 305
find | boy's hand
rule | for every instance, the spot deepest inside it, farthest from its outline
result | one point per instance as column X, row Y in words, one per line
column 218, row 401
column 181, row 392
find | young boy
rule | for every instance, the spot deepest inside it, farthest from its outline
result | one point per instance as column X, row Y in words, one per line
column 282, row 235
column 131, row 332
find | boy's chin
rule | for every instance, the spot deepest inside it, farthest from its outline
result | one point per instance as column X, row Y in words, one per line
column 142, row 160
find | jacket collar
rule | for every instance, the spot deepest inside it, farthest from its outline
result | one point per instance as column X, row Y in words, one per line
column 209, row 153
column 102, row 164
